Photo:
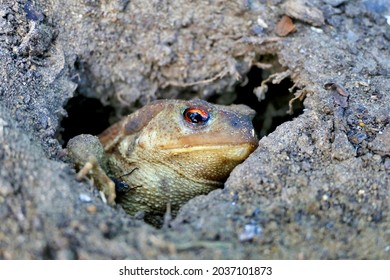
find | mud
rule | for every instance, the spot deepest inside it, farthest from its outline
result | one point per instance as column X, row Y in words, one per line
column 318, row 187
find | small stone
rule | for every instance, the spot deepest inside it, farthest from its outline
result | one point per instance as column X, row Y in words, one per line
column 299, row 9
column 250, row 231
column 85, row 198
column 285, row 26
column 317, row 30
column 357, row 137
column 262, row 23
column 91, row 209
column 341, row 147
column 5, row 189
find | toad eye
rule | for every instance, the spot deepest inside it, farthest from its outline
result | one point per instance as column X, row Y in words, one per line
column 196, row 116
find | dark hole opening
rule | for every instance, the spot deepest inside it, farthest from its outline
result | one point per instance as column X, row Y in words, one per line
column 85, row 116
column 272, row 110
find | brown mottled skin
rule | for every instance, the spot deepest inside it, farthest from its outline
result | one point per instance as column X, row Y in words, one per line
column 166, row 153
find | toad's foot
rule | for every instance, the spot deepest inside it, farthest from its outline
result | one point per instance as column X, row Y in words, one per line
column 100, row 179
column 87, row 154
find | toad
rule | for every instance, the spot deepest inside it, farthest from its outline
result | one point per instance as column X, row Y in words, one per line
column 165, row 154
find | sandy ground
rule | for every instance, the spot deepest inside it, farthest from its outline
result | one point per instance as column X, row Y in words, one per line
column 318, row 187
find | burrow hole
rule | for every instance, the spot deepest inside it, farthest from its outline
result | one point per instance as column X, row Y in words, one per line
column 90, row 116
column 85, row 116
column 273, row 108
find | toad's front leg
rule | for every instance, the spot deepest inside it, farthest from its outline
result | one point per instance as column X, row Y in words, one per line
column 87, row 153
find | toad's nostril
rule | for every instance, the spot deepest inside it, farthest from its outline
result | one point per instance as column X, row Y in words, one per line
column 234, row 123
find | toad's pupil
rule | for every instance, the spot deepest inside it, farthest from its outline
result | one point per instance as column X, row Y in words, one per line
column 196, row 115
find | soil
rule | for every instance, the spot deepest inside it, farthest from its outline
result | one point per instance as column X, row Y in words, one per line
column 318, row 187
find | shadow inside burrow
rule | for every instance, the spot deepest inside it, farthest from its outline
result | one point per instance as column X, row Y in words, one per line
column 273, row 109
column 85, row 116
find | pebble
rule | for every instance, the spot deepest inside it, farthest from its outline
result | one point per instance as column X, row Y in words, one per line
column 85, row 198
column 299, row 9
column 91, row 209
column 250, row 231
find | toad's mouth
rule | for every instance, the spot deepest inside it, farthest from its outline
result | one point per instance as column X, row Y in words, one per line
column 222, row 140
column 237, row 151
